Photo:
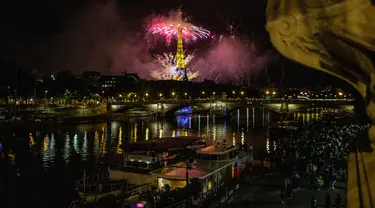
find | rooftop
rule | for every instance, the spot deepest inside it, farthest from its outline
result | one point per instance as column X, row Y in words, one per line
column 200, row 169
column 216, row 149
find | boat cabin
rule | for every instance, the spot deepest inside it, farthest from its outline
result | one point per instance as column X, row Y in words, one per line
column 213, row 165
column 139, row 159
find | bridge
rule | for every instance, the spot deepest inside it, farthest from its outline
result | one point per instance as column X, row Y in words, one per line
column 227, row 106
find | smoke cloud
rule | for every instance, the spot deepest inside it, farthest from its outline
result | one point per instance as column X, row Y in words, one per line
column 99, row 39
column 230, row 58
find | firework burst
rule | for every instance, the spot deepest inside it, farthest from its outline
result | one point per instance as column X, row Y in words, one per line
column 169, row 27
column 167, row 68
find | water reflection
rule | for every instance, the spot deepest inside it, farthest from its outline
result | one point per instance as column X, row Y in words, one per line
column 91, row 141
column 309, row 115
column 75, row 143
column 119, row 143
column 48, row 150
column 67, row 148
column 84, row 147
column 96, row 145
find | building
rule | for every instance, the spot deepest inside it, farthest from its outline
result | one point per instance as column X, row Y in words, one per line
column 91, row 78
column 119, row 83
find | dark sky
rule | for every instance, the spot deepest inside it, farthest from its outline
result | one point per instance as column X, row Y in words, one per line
column 32, row 29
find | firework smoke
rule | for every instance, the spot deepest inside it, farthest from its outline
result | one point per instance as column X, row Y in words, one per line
column 230, row 58
column 167, row 68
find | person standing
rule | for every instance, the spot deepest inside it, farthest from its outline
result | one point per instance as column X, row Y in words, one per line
column 328, row 202
column 313, row 202
column 338, row 201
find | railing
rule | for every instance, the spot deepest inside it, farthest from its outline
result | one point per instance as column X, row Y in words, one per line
column 133, row 191
column 76, row 203
column 115, row 189
column 187, row 202
column 89, row 183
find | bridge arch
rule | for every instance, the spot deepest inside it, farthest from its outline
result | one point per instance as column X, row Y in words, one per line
column 125, row 108
column 171, row 110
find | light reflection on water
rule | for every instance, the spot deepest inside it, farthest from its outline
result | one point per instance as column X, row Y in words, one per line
column 91, row 141
column 67, row 148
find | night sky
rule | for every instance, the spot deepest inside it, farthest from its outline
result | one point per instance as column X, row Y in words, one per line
column 32, row 32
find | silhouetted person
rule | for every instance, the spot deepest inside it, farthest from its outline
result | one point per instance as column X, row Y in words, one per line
column 328, row 204
column 338, row 201
column 313, row 202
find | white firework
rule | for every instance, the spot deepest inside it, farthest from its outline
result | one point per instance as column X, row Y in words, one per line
column 167, row 68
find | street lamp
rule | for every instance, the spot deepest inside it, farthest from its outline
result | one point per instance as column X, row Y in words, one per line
column 173, row 93
column 202, row 92
column 146, row 94
column 214, row 93
column 45, row 99
column 234, row 92
column 273, row 93
column 267, row 92
column 185, row 93
column 161, row 96
column 242, row 92
column 340, row 93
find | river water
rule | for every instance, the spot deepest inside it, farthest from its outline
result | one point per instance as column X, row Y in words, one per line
column 59, row 154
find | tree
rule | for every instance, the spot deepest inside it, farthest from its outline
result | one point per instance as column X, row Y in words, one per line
column 67, row 96
column 66, row 80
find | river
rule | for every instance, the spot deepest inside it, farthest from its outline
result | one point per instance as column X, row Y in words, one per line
column 60, row 154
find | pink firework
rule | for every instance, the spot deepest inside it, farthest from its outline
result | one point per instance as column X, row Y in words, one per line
column 168, row 27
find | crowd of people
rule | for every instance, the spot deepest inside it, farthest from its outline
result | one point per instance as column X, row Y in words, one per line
column 318, row 154
column 321, row 151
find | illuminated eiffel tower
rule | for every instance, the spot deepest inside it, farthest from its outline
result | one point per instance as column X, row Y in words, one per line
column 180, row 57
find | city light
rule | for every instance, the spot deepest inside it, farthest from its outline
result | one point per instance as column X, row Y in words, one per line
column 267, row 92
column 173, row 93
column 234, row 92
column 202, row 92
column 146, row 94
column 273, row 93
column 214, row 93
column 161, row 95
column 242, row 92
column 340, row 93
column 185, row 94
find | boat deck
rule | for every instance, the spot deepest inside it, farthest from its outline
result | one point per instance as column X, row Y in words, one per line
column 200, row 169
column 216, row 149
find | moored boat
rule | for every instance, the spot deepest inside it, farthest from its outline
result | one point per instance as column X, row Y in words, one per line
column 140, row 159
